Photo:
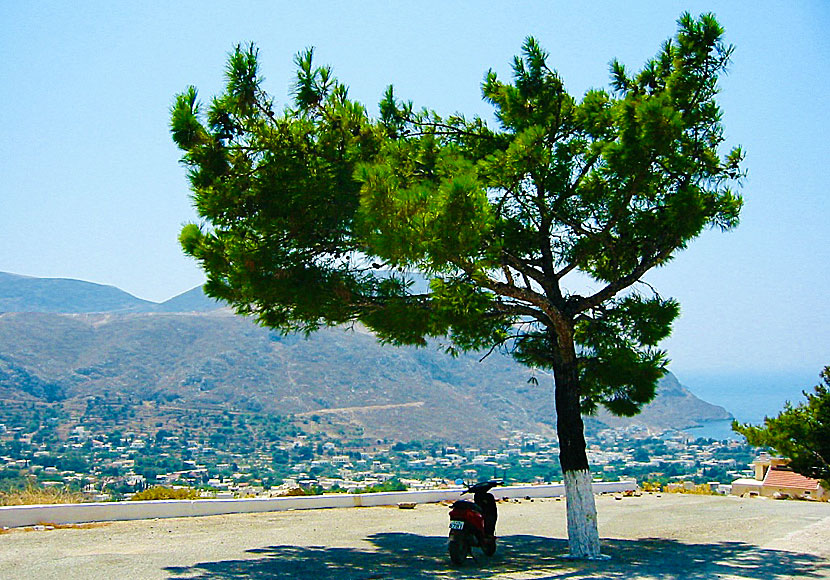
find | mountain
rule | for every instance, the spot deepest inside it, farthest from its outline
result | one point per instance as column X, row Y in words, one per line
column 191, row 301
column 67, row 296
column 338, row 379
column 674, row 407
column 27, row 294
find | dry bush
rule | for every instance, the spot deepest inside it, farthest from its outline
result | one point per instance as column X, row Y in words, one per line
column 158, row 492
column 651, row 486
column 683, row 487
column 293, row 492
column 33, row 495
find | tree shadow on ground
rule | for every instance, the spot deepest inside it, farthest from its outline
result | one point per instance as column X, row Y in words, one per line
column 410, row 556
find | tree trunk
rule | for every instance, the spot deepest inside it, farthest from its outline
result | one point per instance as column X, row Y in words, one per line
column 583, row 536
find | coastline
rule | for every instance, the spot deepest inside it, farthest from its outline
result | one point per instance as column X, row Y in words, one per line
column 719, row 429
column 751, row 395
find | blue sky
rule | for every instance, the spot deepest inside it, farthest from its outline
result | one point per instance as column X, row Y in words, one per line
column 91, row 188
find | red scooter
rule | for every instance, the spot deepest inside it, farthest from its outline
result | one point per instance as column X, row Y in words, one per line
column 473, row 523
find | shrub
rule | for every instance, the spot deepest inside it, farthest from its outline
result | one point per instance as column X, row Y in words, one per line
column 32, row 495
column 690, row 488
column 393, row 484
column 159, row 492
column 294, row 492
column 651, row 486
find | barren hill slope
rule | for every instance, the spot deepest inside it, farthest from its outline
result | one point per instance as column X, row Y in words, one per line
column 217, row 360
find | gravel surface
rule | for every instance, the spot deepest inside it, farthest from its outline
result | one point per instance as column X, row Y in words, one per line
column 654, row 536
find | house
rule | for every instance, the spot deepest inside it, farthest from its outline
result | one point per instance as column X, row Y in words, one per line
column 774, row 479
column 783, row 482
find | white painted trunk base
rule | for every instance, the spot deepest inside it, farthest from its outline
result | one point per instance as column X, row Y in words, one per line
column 583, row 535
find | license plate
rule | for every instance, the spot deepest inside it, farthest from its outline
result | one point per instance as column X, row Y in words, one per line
column 456, row 525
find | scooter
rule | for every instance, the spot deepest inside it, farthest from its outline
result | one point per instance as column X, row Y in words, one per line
column 473, row 523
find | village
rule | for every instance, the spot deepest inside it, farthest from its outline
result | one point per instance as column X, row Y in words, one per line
column 108, row 466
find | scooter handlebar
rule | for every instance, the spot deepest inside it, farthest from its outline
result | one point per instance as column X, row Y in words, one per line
column 483, row 486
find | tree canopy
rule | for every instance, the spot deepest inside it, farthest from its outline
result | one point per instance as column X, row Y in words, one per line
column 319, row 214
column 800, row 433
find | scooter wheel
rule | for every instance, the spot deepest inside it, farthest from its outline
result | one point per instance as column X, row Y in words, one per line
column 458, row 551
column 489, row 546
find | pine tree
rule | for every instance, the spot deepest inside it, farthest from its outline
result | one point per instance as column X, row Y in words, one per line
column 318, row 214
column 800, row 433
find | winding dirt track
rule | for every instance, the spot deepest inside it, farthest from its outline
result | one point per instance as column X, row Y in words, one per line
column 649, row 537
column 366, row 409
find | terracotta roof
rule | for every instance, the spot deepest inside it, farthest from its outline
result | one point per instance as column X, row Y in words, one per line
column 786, row 478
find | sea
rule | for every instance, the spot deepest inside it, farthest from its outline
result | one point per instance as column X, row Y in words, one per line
column 749, row 395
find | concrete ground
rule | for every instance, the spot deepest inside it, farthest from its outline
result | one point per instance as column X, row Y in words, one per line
column 649, row 537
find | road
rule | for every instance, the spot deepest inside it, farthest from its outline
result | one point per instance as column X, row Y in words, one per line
column 650, row 537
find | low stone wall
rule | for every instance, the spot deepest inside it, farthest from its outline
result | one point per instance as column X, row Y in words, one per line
column 28, row 515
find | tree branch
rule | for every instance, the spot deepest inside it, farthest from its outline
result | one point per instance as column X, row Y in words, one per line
column 524, row 268
column 621, row 283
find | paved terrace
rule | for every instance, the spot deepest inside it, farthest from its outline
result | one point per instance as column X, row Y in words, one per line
column 649, row 537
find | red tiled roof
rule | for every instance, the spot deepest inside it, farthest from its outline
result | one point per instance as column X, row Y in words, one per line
column 786, row 478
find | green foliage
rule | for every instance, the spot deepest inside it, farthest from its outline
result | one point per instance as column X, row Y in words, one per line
column 70, row 461
column 393, row 484
column 159, row 492
column 302, row 208
column 619, row 366
column 801, row 432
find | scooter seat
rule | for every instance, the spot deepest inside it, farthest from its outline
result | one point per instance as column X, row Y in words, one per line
column 463, row 504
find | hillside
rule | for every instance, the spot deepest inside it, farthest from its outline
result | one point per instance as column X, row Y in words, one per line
column 166, row 363
column 27, row 294
column 193, row 300
column 67, row 296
